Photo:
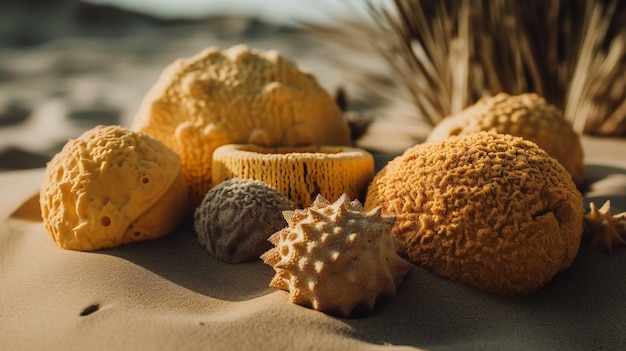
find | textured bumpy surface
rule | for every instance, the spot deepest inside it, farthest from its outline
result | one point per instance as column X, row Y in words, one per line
column 237, row 217
column 299, row 173
column 491, row 210
column 237, row 96
column 336, row 258
column 112, row 186
column 528, row 116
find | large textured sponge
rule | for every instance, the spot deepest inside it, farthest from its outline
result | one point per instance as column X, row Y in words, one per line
column 112, row 186
column 528, row 116
column 490, row 210
column 237, row 96
column 237, row 217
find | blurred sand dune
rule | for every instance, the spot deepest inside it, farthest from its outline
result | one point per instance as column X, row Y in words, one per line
column 67, row 65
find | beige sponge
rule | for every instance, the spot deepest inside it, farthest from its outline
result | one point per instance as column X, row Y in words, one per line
column 112, row 186
column 301, row 173
column 237, row 96
column 528, row 116
column 490, row 210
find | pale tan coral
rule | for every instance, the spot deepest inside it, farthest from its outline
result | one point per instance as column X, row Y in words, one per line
column 237, row 217
column 112, row 186
column 490, row 210
column 298, row 172
column 236, row 96
column 606, row 230
column 528, row 116
column 336, row 258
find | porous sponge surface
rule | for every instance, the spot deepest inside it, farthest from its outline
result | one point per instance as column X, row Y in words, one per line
column 526, row 115
column 299, row 173
column 237, row 96
column 490, row 210
column 99, row 183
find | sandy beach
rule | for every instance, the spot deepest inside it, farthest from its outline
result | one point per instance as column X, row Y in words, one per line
column 169, row 293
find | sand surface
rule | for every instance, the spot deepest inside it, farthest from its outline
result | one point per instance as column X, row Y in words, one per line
column 64, row 70
column 170, row 294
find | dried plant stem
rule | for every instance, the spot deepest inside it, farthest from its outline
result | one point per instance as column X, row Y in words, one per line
column 449, row 53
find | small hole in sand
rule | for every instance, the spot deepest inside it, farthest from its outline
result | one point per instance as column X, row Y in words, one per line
column 90, row 309
column 145, row 180
column 105, row 221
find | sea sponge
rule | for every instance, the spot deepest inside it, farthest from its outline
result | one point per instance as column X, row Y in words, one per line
column 237, row 96
column 491, row 210
column 528, row 116
column 298, row 172
column 112, row 186
column 237, row 217
column 336, row 258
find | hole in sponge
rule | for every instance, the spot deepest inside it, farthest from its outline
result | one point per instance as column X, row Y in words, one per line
column 456, row 131
column 90, row 309
column 105, row 221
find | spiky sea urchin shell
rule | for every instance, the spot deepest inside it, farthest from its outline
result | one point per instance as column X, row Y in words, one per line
column 606, row 230
column 336, row 258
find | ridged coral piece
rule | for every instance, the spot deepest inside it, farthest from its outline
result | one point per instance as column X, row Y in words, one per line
column 239, row 95
column 606, row 231
column 298, row 172
column 526, row 115
column 336, row 258
column 490, row 210
column 237, row 217
column 112, row 186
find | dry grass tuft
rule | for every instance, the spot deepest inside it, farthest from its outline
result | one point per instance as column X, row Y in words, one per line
column 447, row 54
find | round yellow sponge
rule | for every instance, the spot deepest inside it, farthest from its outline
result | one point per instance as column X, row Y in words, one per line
column 490, row 210
column 112, row 186
column 236, row 96
column 528, row 116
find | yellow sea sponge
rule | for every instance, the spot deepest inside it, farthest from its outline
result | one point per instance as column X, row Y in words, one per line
column 490, row 210
column 239, row 95
column 528, row 116
column 112, row 186
column 299, row 173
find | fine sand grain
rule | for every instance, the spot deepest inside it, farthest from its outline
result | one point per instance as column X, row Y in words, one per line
column 170, row 294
